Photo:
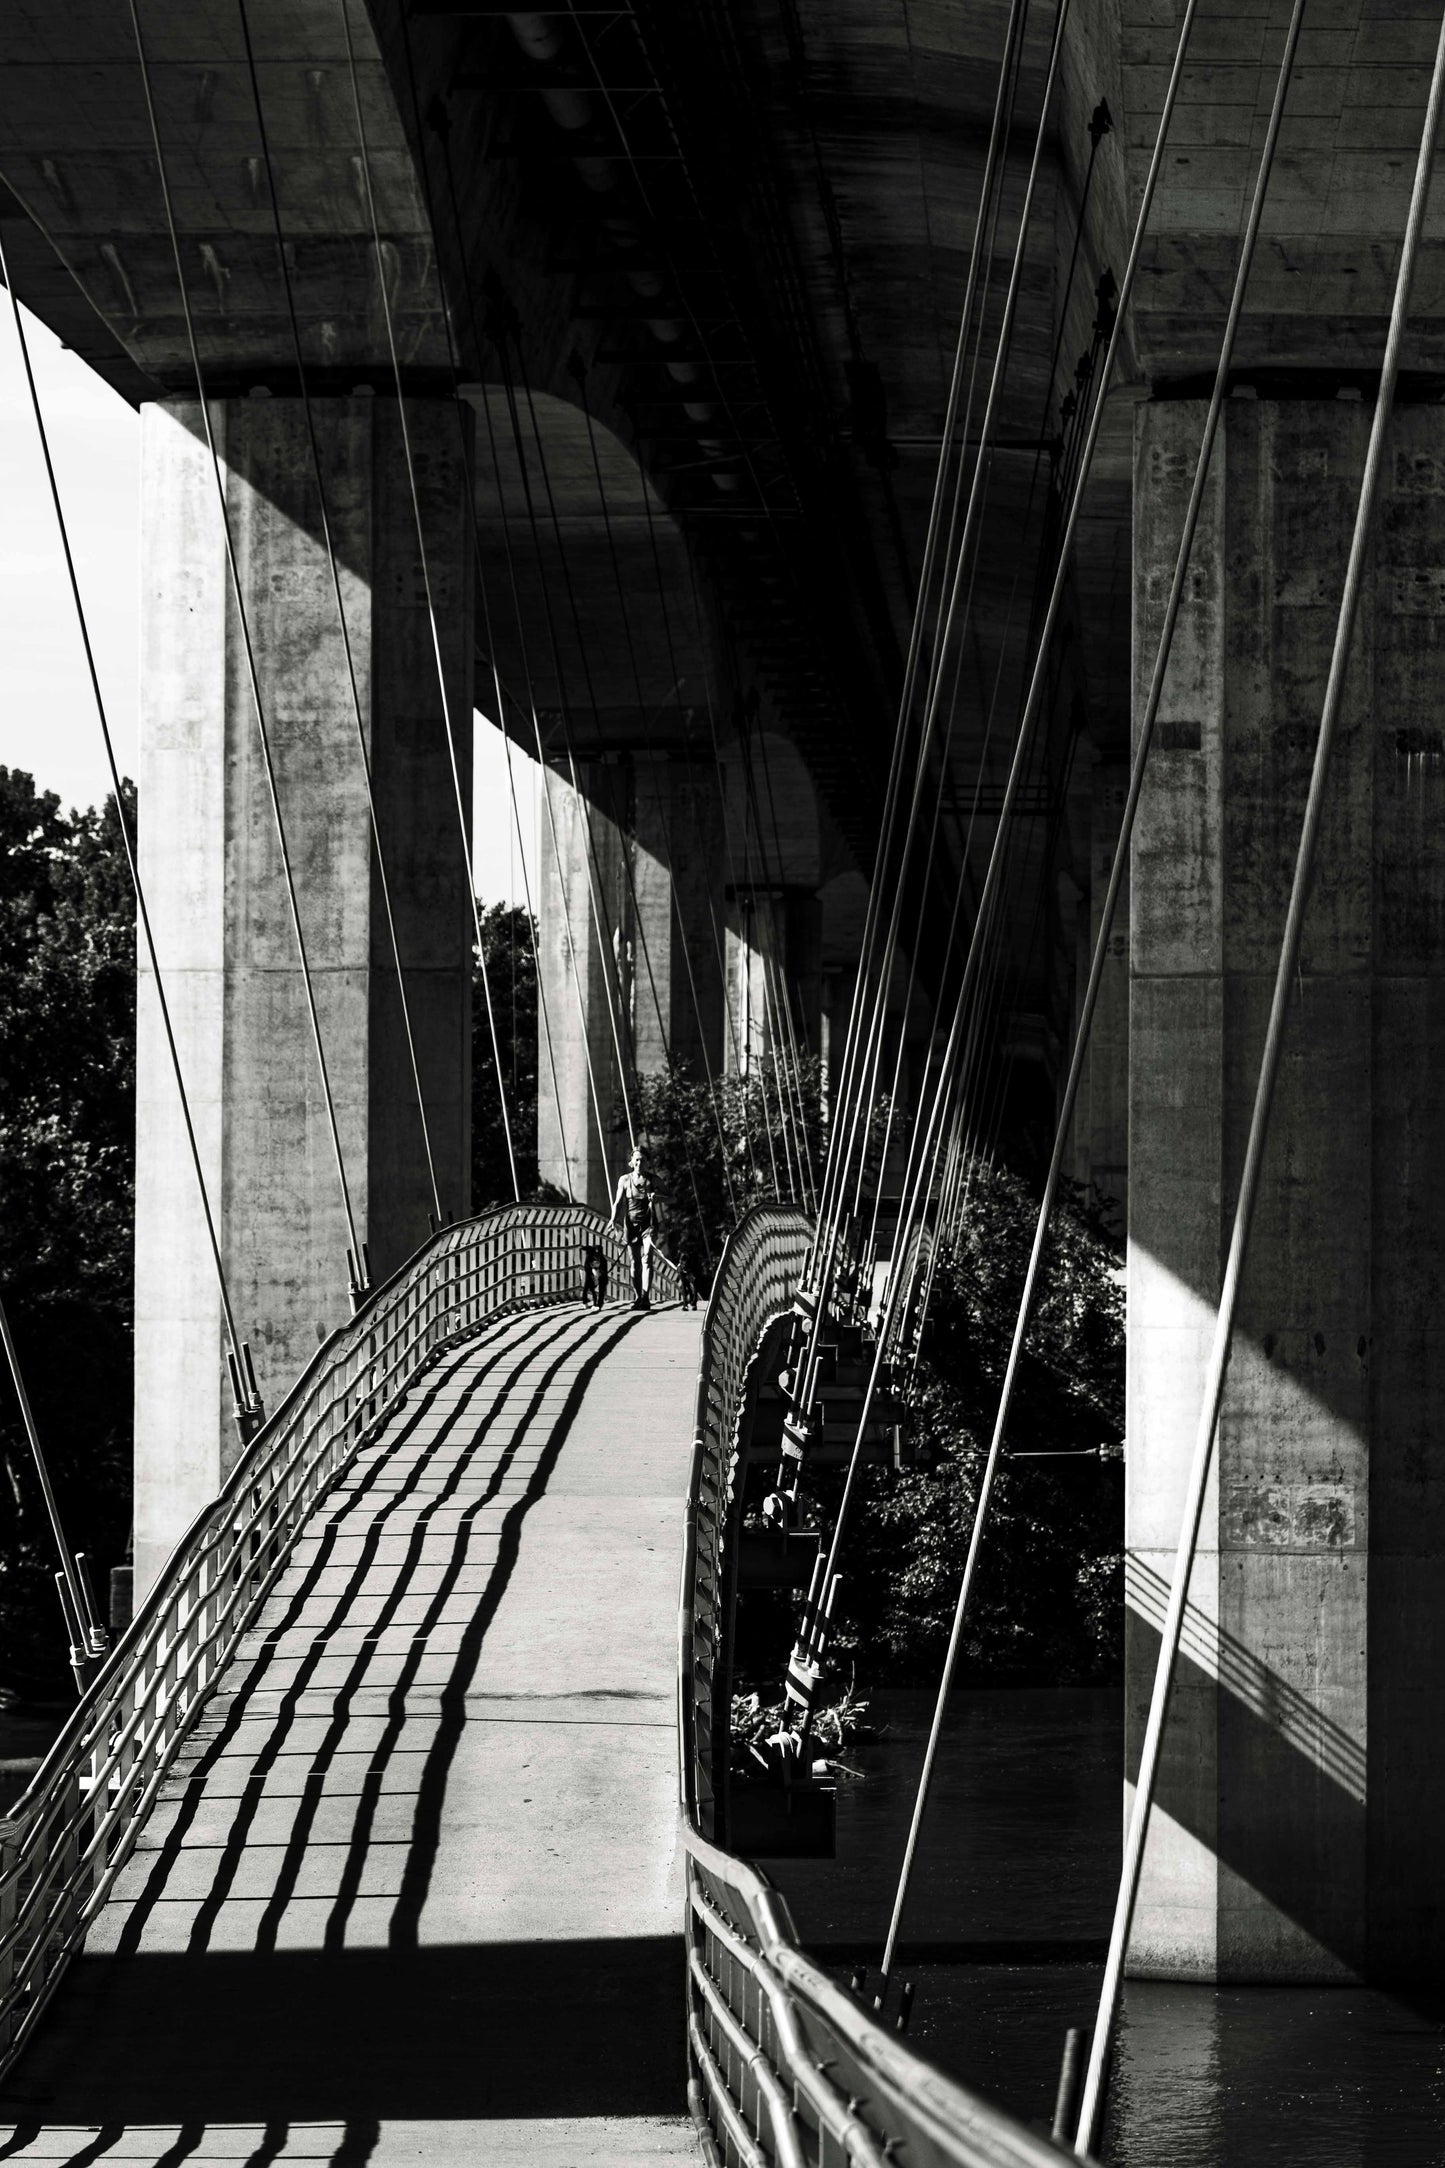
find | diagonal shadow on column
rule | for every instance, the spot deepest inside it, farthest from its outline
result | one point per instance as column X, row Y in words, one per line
column 1306, row 1856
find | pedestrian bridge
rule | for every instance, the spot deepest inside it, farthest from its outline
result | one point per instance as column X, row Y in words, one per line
column 365, row 1846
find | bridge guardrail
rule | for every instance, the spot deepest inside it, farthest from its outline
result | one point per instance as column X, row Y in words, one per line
column 64, row 1842
column 786, row 2069
column 757, row 1275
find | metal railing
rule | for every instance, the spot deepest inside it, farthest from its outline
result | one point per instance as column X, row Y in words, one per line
column 786, row 2070
column 756, row 1278
column 65, row 1841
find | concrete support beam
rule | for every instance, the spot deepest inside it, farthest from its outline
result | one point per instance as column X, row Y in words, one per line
column 212, row 870
column 1296, row 1833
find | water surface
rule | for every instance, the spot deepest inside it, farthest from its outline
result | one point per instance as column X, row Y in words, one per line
column 1005, row 1936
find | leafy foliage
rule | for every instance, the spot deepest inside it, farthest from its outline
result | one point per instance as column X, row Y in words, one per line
column 67, row 1124
column 1048, row 1602
column 713, row 1151
column 838, row 1721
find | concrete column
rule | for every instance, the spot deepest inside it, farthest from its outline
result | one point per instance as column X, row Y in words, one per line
column 757, row 960
column 679, row 852
column 587, row 985
column 640, row 826
column 1297, row 1829
column 212, row 870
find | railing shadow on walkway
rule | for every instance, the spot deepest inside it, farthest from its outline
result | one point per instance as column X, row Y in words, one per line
column 66, row 1840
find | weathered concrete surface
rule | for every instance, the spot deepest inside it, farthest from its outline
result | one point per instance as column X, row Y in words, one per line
column 631, row 923
column 587, row 986
column 412, row 1894
column 1297, row 1837
column 213, row 876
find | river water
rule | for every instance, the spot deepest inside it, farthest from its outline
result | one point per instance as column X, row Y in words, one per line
column 1005, row 1940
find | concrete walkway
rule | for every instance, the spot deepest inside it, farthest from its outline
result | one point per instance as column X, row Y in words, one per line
column 412, row 1895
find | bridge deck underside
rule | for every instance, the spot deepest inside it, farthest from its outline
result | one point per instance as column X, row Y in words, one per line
column 411, row 1893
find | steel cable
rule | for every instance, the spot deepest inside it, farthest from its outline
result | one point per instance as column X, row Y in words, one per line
column 247, row 1405
column 358, row 1272
column 963, row 559
column 465, row 450
column 619, row 823
column 448, row 725
column 609, row 961
column 583, row 1022
column 943, row 1089
column 664, row 822
column 729, row 1021
column 1287, row 966
column 862, row 982
column 327, row 540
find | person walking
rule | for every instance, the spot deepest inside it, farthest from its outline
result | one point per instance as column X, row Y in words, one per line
column 634, row 1200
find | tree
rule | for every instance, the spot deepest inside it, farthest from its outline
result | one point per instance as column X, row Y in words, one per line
column 714, row 1150
column 1047, row 1604
column 1048, row 1601
column 67, row 1157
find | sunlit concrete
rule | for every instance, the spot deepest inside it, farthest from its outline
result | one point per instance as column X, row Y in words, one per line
column 1300, row 1783
column 212, row 868
column 412, row 1892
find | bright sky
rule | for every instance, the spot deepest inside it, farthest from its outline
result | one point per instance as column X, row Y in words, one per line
column 47, row 715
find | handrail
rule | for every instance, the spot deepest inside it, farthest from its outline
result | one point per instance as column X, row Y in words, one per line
column 760, row 1267
column 785, row 2067
column 63, row 1844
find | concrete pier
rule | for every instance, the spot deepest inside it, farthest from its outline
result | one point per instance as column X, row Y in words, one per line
column 1296, row 1837
column 630, row 895
column 213, row 876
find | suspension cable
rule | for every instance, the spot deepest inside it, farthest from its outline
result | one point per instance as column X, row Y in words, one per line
column 683, row 943
column 610, row 962
column 783, row 997
column 357, row 1268
column 463, row 821
column 1100, row 125
column 862, row 1083
column 1092, row 2099
column 963, row 558
column 766, row 953
column 86, row 1635
column 729, row 1023
column 583, row 1024
column 991, row 882
column 619, row 824
column 861, row 984
column 327, row 539
column 246, row 1400
column 469, row 467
